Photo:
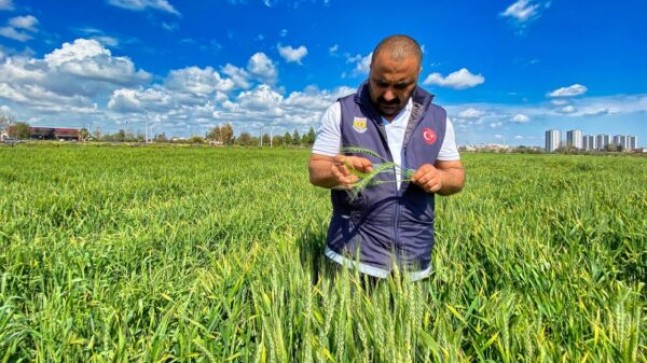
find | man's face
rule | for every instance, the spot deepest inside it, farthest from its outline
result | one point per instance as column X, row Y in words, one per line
column 391, row 83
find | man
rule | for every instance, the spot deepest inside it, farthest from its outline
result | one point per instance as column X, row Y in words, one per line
column 391, row 223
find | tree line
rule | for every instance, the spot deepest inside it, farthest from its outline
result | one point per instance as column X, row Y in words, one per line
column 219, row 135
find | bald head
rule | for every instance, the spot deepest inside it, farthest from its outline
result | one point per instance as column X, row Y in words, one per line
column 398, row 47
column 395, row 67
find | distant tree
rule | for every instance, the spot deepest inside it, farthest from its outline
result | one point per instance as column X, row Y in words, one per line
column 245, row 139
column 97, row 133
column 6, row 119
column 296, row 138
column 223, row 134
column 20, row 130
column 610, row 147
column 84, row 134
column 120, row 135
column 227, row 134
column 266, row 139
column 160, row 138
column 308, row 139
column 196, row 140
column 215, row 134
column 277, row 140
column 287, row 139
column 129, row 137
column 566, row 149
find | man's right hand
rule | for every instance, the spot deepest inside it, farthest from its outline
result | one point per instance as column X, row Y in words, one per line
column 335, row 172
column 342, row 169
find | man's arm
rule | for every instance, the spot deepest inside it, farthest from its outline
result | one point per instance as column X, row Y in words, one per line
column 333, row 171
column 443, row 178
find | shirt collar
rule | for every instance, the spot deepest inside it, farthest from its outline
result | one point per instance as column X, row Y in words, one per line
column 403, row 113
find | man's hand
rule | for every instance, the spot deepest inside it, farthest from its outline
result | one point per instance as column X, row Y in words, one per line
column 335, row 172
column 343, row 165
column 428, row 178
column 444, row 178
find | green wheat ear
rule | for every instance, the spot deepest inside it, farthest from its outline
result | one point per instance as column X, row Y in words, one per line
column 361, row 150
column 367, row 179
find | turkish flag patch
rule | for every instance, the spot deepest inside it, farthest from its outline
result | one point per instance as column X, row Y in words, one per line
column 429, row 135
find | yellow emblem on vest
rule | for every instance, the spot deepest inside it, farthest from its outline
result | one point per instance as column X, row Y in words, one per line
column 359, row 124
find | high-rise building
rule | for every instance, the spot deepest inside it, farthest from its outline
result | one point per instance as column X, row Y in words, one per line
column 620, row 140
column 602, row 140
column 574, row 138
column 553, row 140
column 631, row 142
column 589, row 142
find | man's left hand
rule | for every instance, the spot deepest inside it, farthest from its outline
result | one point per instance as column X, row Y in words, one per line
column 428, row 178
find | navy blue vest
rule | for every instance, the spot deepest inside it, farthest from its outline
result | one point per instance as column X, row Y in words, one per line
column 382, row 224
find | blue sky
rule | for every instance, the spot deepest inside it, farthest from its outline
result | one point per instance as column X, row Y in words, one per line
column 506, row 71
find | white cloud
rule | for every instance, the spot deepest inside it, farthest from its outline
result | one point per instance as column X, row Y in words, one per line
column 6, row 5
column 170, row 27
column 67, row 78
column 79, row 50
column 20, row 28
column 42, row 99
column 100, row 36
column 570, row 91
column 471, row 113
column 362, row 64
column 125, row 100
column 460, row 79
column 198, row 81
column 140, row 5
column 107, row 40
column 87, row 58
column 521, row 11
column 261, row 66
column 520, row 118
column 12, row 33
column 262, row 98
column 21, row 70
column 155, row 99
column 239, row 76
column 567, row 109
column 333, row 49
column 496, row 125
column 293, row 54
column 28, row 22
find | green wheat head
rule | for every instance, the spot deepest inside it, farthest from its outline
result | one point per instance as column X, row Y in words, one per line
column 368, row 179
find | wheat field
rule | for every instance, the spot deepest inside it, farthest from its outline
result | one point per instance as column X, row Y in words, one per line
column 178, row 254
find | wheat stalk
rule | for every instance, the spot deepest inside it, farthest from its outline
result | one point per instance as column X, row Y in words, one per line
column 366, row 179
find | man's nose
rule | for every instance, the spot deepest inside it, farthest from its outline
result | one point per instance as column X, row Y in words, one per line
column 388, row 95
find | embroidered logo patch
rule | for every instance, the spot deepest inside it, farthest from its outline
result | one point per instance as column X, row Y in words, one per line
column 429, row 135
column 359, row 124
